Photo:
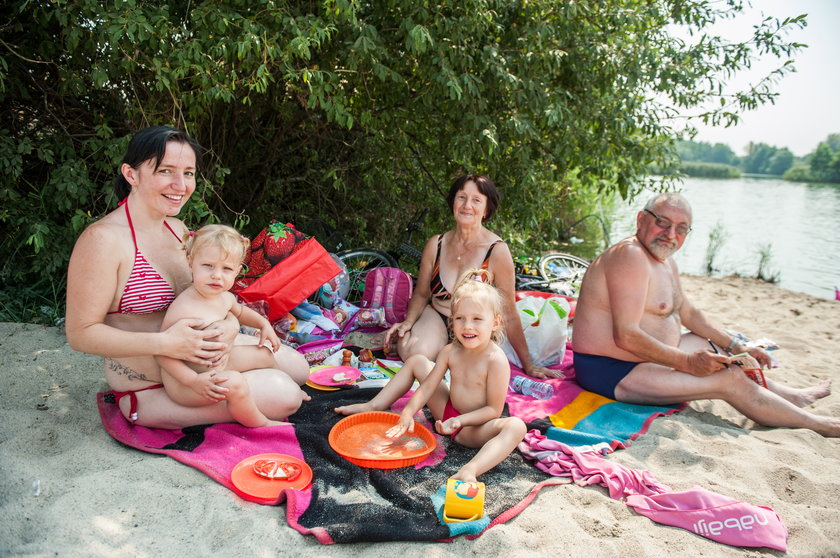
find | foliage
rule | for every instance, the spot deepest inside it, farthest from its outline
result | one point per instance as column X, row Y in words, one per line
column 823, row 163
column 766, row 159
column 717, row 237
column 710, row 170
column 706, row 152
column 765, row 257
column 359, row 112
column 760, row 159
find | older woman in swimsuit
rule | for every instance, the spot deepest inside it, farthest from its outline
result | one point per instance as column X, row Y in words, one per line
column 473, row 199
column 124, row 272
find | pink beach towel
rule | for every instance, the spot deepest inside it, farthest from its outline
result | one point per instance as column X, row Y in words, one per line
column 705, row 513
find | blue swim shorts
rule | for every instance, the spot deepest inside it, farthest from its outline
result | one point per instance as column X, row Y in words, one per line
column 600, row 374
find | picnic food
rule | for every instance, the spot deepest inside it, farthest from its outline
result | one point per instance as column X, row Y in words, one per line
column 274, row 469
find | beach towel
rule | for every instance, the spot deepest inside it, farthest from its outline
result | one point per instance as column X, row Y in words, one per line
column 583, row 419
column 708, row 514
column 348, row 503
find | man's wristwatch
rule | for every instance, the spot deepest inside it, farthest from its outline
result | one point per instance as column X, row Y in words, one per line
column 732, row 345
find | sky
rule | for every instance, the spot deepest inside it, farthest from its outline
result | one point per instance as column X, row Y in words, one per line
column 807, row 109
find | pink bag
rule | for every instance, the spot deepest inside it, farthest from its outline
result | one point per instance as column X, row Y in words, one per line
column 389, row 288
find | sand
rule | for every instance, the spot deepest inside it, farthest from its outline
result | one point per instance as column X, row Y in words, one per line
column 68, row 489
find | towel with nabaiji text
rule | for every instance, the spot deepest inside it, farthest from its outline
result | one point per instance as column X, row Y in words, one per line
column 705, row 513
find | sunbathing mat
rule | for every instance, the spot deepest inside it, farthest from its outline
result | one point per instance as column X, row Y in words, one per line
column 347, row 503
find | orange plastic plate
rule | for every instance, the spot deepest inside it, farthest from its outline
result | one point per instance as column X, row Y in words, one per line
column 361, row 440
column 251, row 486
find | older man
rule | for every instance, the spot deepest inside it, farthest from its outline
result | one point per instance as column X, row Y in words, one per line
column 628, row 339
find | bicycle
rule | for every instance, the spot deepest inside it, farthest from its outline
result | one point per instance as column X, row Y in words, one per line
column 557, row 272
column 360, row 261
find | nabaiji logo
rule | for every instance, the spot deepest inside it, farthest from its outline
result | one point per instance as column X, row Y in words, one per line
column 743, row 523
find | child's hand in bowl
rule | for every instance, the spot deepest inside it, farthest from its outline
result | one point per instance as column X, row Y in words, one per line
column 403, row 426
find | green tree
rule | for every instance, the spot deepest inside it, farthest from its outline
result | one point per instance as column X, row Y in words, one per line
column 833, row 141
column 779, row 162
column 722, row 153
column 821, row 160
column 355, row 111
column 706, row 152
column 766, row 159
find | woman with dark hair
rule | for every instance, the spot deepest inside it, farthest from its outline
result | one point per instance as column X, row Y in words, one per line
column 125, row 271
column 473, row 200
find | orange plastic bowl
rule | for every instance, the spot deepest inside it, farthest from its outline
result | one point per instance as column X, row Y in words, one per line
column 360, row 439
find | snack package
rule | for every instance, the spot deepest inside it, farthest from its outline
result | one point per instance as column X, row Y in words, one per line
column 341, row 312
column 751, row 368
column 370, row 317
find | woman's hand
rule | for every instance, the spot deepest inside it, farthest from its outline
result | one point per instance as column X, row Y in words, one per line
column 208, row 385
column 225, row 332
column 541, row 372
column 189, row 342
column 399, row 330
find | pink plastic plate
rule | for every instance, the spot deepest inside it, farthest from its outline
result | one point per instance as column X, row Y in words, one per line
column 335, row 375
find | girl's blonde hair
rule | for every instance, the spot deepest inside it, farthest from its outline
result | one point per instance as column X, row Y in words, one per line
column 477, row 284
column 226, row 238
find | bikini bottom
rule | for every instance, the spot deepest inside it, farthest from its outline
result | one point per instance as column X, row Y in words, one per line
column 132, row 398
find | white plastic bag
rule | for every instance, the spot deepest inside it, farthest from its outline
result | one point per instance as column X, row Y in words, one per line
column 544, row 322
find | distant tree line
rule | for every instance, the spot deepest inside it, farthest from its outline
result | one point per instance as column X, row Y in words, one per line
column 822, row 165
column 719, row 161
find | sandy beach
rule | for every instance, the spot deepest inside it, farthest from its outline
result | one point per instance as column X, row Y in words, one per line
column 69, row 489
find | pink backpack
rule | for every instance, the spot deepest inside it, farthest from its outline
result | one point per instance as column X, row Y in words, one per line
column 389, row 288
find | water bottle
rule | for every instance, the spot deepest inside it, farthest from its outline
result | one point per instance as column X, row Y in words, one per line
column 527, row 386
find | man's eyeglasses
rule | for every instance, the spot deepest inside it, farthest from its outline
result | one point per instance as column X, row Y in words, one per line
column 665, row 224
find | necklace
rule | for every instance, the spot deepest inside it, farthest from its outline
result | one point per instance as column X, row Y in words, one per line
column 464, row 249
column 458, row 257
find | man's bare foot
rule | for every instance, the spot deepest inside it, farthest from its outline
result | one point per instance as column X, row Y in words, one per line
column 807, row 396
column 830, row 427
column 357, row 408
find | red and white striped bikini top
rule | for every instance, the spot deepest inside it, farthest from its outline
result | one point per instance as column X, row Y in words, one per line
column 145, row 291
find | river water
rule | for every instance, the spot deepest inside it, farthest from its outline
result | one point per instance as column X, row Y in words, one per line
column 798, row 223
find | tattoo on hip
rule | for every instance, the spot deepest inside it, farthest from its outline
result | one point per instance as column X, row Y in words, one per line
column 123, row 370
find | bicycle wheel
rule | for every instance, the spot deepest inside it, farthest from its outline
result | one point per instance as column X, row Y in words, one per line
column 564, row 272
column 358, row 263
